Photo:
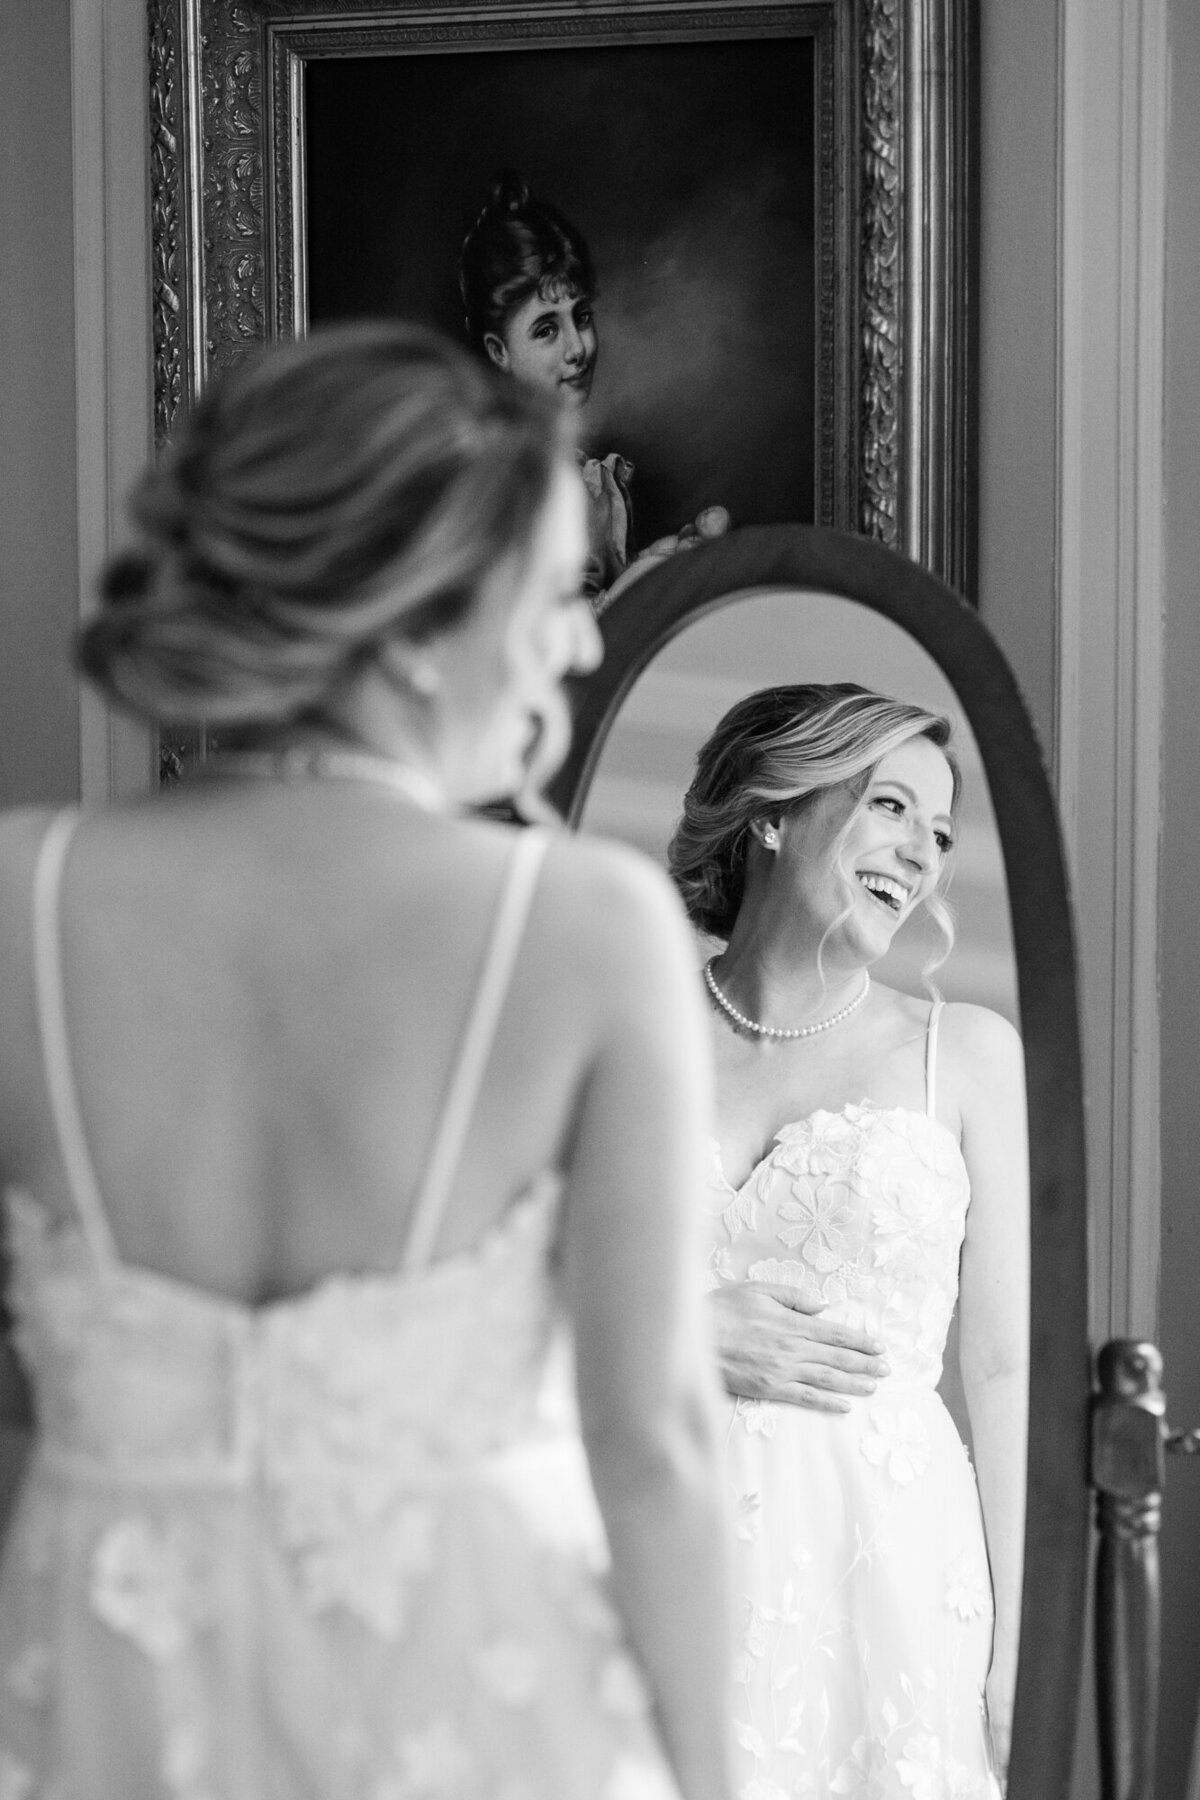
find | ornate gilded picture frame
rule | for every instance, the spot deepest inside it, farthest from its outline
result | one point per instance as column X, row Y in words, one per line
column 884, row 336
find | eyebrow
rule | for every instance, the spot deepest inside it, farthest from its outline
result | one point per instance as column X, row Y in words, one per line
column 551, row 304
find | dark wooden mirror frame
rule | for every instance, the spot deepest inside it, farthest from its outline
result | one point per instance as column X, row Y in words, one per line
column 812, row 559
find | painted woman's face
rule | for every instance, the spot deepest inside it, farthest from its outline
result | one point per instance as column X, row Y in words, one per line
column 552, row 343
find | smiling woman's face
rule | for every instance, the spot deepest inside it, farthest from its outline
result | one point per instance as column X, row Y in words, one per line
column 550, row 341
column 891, row 847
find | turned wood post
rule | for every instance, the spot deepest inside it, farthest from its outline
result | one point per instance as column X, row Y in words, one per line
column 1127, row 1473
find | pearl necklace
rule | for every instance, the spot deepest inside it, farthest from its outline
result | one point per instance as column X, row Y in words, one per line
column 321, row 763
column 775, row 1031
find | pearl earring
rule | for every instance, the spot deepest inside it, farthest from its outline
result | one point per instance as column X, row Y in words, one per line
column 770, row 837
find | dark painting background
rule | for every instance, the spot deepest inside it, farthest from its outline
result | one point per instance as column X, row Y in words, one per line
column 689, row 168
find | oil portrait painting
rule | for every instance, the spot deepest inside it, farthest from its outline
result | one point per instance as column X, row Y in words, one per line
column 688, row 169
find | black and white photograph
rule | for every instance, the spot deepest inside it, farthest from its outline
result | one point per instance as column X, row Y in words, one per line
column 598, row 628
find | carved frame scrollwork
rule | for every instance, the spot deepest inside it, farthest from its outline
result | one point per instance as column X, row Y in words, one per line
column 894, row 358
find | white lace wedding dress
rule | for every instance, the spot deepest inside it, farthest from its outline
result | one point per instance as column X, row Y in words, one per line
column 861, row 1574
column 322, row 1549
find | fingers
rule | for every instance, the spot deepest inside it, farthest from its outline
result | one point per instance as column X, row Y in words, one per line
column 816, row 1329
column 799, row 1393
column 842, row 1349
column 770, row 1369
column 790, row 1297
column 713, row 522
column 835, row 1380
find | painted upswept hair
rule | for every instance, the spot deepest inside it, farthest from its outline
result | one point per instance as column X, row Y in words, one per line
column 519, row 245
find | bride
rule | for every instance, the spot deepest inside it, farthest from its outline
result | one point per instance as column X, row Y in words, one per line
column 871, row 1164
column 318, row 1098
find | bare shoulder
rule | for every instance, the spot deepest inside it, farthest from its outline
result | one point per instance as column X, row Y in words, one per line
column 982, row 1060
column 979, row 1037
column 596, row 874
column 613, row 913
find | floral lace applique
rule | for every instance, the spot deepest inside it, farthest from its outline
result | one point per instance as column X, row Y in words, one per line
column 897, row 1441
column 718, row 1268
column 511, row 1671
column 821, row 1212
column 968, row 1590
column 823, row 1216
column 758, row 1416
column 912, row 1175
column 860, row 1775
column 358, row 1544
column 432, row 1763
column 780, row 1271
column 741, row 1214
column 827, row 1144
column 755, row 1638
column 747, row 1518
column 750, row 1738
column 928, row 1773
column 761, row 1787
column 148, row 1583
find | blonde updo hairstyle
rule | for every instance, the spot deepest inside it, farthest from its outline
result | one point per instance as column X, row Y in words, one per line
column 774, row 752
column 321, row 498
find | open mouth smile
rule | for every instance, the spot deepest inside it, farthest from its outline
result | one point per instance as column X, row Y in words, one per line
column 883, row 889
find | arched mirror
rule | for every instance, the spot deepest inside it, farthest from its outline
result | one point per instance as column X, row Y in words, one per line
column 795, row 604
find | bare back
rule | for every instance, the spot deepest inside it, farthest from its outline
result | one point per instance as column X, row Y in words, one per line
column 264, row 993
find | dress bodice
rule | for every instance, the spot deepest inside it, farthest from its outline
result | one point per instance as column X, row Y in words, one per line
column 330, row 1410
column 142, row 1377
column 862, row 1210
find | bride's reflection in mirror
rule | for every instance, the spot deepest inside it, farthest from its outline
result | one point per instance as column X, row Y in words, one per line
column 870, row 1167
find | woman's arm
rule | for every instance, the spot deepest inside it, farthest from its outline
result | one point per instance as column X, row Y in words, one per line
column 632, row 1256
column 984, row 1053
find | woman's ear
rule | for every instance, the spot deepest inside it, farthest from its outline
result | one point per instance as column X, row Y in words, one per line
column 497, row 349
column 766, row 831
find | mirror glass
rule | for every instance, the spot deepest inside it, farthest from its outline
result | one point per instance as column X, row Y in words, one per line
column 758, row 641
column 763, row 639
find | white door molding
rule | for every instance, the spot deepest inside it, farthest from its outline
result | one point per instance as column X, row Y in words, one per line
column 1113, row 171
column 110, row 140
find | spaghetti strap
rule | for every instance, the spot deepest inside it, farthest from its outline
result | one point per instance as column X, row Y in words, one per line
column 466, row 1074
column 931, row 1037
column 50, row 1003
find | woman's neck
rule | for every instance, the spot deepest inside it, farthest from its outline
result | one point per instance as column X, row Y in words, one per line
column 785, row 984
